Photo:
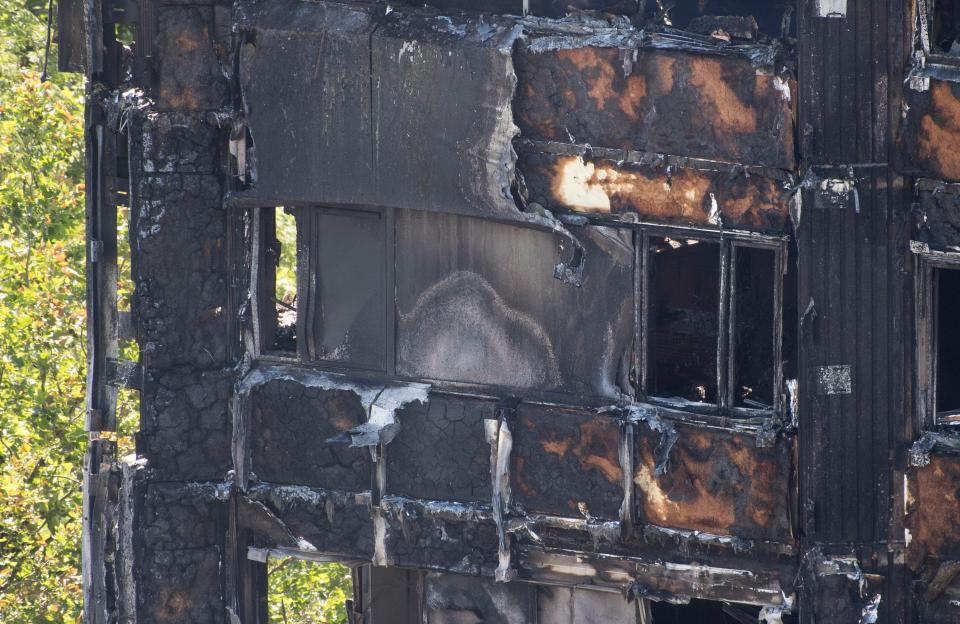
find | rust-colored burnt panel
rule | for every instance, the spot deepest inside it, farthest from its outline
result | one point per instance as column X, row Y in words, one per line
column 932, row 131
column 684, row 196
column 566, row 462
column 656, row 101
column 934, row 510
column 188, row 56
column 717, row 482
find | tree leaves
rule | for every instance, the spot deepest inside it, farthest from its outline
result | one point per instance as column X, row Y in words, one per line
column 41, row 328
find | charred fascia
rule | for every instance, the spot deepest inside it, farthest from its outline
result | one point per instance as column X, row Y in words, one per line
column 920, row 451
column 655, row 580
column 380, row 402
column 923, row 65
column 584, row 30
column 818, row 565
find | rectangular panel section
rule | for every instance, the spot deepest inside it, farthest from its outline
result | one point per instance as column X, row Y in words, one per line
column 477, row 302
column 662, row 101
column 566, row 463
column 344, row 286
column 754, row 278
column 290, row 430
column 684, row 318
column 714, row 481
column 441, row 452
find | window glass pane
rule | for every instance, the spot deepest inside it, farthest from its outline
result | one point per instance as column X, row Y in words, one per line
column 683, row 319
column 346, row 288
column 754, row 271
column 948, row 340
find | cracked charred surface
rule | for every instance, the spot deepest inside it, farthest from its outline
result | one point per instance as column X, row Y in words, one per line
column 566, row 462
column 718, row 482
column 932, row 131
column 683, row 196
column 656, row 101
column 291, row 428
column 185, row 427
column 440, row 452
column 181, row 547
column 181, row 271
column 934, row 510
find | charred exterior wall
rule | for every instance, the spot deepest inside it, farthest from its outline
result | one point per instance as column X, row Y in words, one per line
column 602, row 308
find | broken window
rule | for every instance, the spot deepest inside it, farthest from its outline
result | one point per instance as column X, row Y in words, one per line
column 945, row 27
column 684, row 318
column 947, row 344
column 276, row 267
column 308, row 591
column 744, row 20
column 713, row 320
column 699, row 611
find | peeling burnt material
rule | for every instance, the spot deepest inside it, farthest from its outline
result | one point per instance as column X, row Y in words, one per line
column 613, row 95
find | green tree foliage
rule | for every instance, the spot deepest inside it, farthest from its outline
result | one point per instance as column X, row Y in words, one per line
column 41, row 327
column 304, row 592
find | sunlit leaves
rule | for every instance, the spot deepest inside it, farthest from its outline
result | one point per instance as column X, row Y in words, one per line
column 304, row 592
column 41, row 328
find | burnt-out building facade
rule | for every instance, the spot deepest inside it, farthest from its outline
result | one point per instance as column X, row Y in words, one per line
column 606, row 310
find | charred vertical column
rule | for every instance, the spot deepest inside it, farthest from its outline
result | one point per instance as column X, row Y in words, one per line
column 851, row 290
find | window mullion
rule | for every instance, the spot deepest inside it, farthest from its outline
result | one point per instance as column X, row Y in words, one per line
column 725, row 331
column 778, row 277
column 642, row 309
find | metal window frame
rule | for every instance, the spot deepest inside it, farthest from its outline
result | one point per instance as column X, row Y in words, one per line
column 729, row 242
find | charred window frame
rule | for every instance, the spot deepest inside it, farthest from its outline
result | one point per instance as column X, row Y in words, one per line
column 274, row 316
column 355, row 236
column 731, row 250
column 938, row 372
column 937, row 39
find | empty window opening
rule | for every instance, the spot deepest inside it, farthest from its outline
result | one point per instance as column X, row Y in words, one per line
column 728, row 19
column 684, row 319
column 708, row 612
column 286, row 295
column 277, row 280
column 308, row 592
column 945, row 27
column 947, row 336
column 754, row 281
column 713, row 322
